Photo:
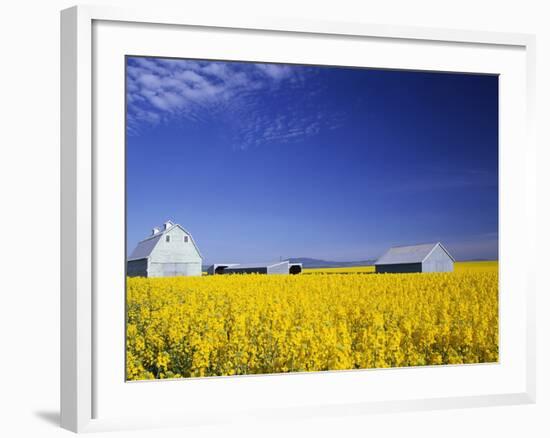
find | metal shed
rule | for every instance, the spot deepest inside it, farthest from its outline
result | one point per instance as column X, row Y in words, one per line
column 428, row 257
column 283, row 268
column 218, row 268
column 169, row 251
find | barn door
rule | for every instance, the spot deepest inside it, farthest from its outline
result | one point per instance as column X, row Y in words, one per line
column 170, row 270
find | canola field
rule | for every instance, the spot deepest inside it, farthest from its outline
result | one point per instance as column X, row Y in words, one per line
column 254, row 324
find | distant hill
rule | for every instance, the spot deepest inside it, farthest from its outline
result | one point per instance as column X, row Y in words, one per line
column 318, row 263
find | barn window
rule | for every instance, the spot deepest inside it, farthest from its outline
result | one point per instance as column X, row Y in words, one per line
column 168, row 238
column 185, row 239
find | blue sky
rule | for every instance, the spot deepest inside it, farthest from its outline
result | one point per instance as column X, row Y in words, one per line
column 262, row 161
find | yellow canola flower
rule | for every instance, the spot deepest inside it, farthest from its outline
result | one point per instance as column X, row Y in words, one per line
column 254, row 324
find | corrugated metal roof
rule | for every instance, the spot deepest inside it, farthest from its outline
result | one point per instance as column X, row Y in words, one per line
column 409, row 254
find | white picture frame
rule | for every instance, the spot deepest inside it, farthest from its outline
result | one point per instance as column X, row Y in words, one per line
column 91, row 388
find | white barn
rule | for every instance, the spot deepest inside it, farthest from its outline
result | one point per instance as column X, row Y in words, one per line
column 169, row 251
column 427, row 257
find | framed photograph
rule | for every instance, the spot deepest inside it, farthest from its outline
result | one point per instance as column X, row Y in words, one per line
column 290, row 218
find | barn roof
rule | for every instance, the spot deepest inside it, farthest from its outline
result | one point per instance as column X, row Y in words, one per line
column 144, row 248
column 409, row 254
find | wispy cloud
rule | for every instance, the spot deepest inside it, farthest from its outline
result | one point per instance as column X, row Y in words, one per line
column 258, row 103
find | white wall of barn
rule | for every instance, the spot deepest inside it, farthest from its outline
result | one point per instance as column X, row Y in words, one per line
column 29, row 185
column 175, row 254
column 438, row 261
column 175, row 246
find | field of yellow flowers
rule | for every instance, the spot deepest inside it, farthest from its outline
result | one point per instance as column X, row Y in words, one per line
column 251, row 324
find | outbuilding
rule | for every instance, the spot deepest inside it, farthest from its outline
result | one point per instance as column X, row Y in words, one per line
column 284, row 267
column 219, row 268
column 427, row 257
column 169, row 251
